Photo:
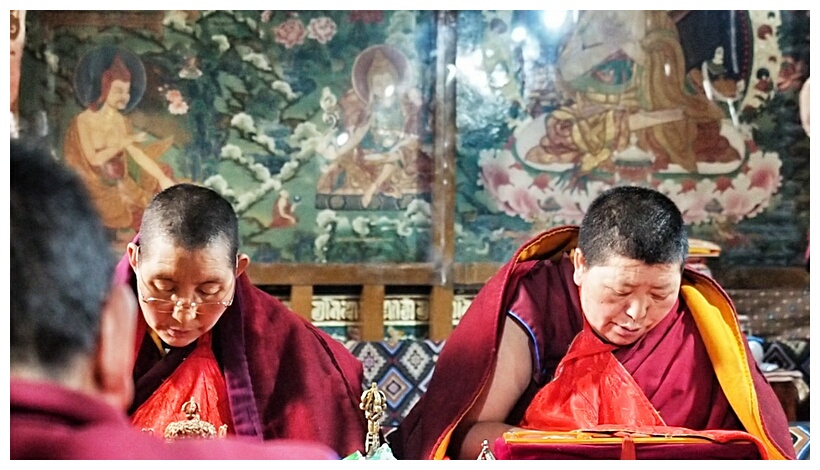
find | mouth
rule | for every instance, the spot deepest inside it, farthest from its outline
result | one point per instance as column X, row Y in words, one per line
column 177, row 333
column 628, row 330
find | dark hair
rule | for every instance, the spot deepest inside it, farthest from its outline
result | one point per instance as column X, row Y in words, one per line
column 193, row 217
column 635, row 222
column 61, row 262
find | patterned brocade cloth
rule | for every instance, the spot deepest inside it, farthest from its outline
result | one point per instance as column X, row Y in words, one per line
column 401, row 370
column 801, row 437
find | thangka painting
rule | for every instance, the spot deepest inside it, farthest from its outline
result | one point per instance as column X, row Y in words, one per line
column 555, row 107
column 315, row 125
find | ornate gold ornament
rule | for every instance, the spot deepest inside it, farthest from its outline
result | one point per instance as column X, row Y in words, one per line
column 373, row 404
column 192, row 426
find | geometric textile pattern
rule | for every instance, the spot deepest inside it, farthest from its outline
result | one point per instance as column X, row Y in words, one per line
column 372, row 359
column 400, row 369
column 788, row 355
column 801, row 438
column 415, row 360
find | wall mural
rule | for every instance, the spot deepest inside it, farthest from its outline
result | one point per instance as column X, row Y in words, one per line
column 554, row 108
column 315, row 125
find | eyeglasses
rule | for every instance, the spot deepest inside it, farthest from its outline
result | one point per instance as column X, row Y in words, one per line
column 170, row 306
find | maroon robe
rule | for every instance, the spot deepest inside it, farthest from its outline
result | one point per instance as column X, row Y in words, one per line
column 285, row 377
column 536, row 289
column 49, row 422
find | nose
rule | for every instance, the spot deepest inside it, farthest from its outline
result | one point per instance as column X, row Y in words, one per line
column 636, row 309
column 184, row 312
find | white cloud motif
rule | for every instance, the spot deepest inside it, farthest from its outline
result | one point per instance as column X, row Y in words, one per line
column 267, row 142
column 244, row 123
column 221, row 41
column 328, row 100
column 284, row 87
column 361, row 225
column 231, row 152
column 308, row 139
column 175, row 19
column 258, row 60
column 320, row 246
column 325, row 218
column 288, row 170
column 418, row 212
column 220, row 185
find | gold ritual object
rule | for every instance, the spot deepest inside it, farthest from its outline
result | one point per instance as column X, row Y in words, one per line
column 192, row 426
column 373, row 404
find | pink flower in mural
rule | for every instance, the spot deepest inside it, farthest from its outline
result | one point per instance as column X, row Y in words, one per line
column 179, row 107
column 367, row 16
column 569, row 210
column 518, row 201
column 290, row 33
column 266, row 16
column 494, row 173
column 509, row 185
column 542, row 181
column 743, row 200
column 722, row 183
column 173, row 96
column 321, row 29
column 176, row 103
column 693, row 203
column 764, row 172
column 573, row 204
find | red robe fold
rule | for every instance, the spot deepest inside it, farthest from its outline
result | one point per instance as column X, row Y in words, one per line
column 197, row 378
column 590, row 388
column 285, row 377
column 536, row 289
column 50, row 422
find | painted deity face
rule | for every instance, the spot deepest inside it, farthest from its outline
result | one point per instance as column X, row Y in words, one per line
column 168, row 272
column 383, row 85
column 119, row 95
column 624, row 299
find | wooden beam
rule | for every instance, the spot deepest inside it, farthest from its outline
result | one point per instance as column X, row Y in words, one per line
column 137, row 20
column 474, row 274
column 401, row 274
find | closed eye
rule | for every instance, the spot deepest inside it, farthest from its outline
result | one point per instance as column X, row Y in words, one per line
column 163, row 286
column 660, row 296
column 618, row 293
column 208, row 290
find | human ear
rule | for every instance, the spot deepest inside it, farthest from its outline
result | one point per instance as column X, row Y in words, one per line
column 114, row 358
column 242, row 262
column 580, row 264
column 131, row 249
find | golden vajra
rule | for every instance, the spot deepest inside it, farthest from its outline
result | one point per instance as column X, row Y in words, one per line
column 373, row 404
column 192, row 426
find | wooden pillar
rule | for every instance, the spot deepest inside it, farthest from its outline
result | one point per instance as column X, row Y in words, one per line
column 301, row 301
column 442, row 207
column 371, row 309
column 441, row 312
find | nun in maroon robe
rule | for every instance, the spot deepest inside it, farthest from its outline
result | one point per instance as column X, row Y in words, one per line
column 672, row 364
column 283, row 376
